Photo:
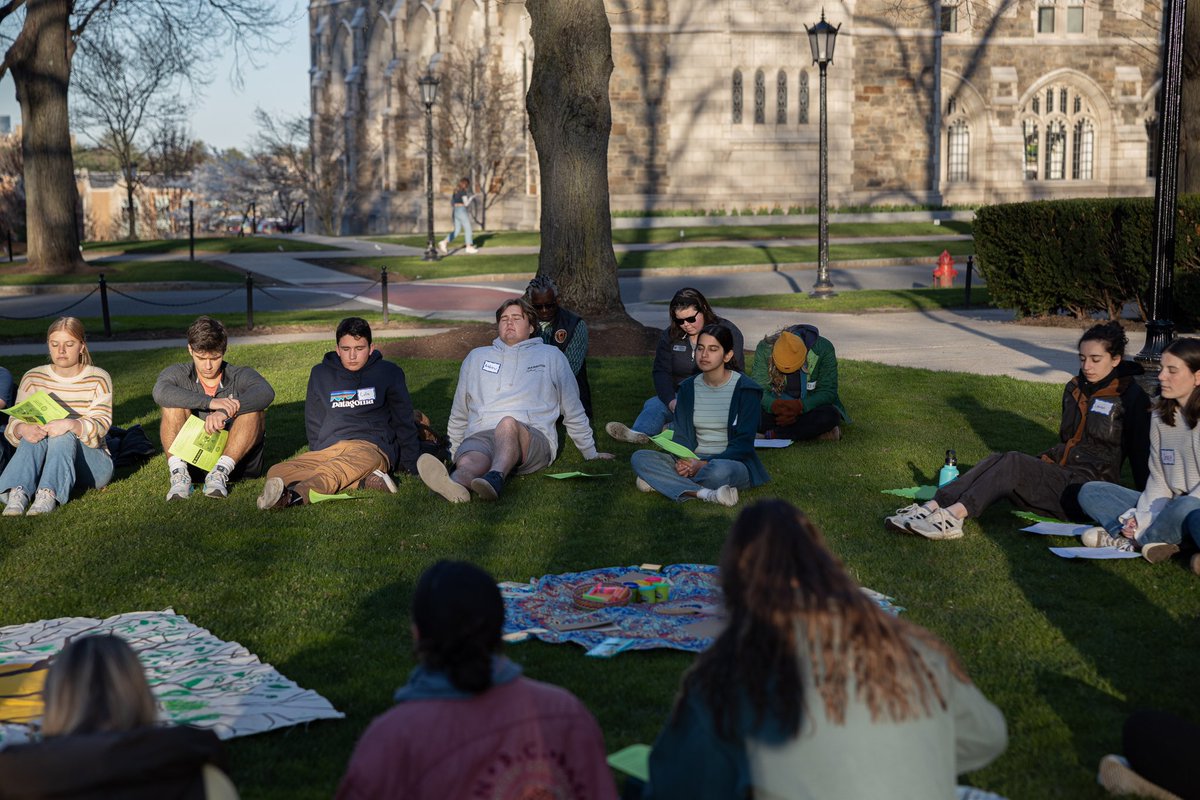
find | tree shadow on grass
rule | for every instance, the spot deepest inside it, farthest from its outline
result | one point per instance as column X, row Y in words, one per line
column 1002, row 431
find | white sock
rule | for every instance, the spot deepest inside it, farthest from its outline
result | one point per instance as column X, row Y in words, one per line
column 226, row 462
column 176, row 464
column 708, row 495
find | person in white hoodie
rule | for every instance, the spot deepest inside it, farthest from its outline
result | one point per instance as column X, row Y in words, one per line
column 509, row 397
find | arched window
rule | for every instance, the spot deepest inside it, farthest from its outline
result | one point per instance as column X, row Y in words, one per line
column 803, row 120
column 1030, row 130
column 760, row 98
column 737, row 97
column 781, row 98
column 1056, row 151
column 1059, row 133
column 958, row 152
column 1081, row 151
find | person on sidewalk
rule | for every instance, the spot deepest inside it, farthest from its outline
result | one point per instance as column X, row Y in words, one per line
column 797, row 370
column 562, row 329
column 460, row 206
column 510, row 394
column 467, row 724
column 674, row 362
column 1105, row 420
column 716, row 417
column 54, row 458
column 358, row 417
column 1153, row 521
column 224, row 397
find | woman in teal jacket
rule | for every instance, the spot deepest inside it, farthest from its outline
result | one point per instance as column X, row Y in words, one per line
column 716, row 417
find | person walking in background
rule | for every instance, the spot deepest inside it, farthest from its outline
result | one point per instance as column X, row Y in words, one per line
column 460, row 204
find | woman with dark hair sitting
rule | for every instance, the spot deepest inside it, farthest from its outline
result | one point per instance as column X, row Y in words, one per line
column 467, row 724
column 814, row 691
column 674, row 362
column 100, row 722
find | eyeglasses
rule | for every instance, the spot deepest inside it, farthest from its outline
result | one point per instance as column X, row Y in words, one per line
column 545, row 306
column 688, row 320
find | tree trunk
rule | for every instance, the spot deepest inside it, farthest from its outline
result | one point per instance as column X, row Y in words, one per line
column 570, row 119
column 41, row 68
column 1189, row 112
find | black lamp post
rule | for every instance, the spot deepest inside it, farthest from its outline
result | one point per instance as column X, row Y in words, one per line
column 429, row 87
column 822, row 37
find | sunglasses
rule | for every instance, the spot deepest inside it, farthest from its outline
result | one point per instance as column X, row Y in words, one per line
column 688, row 320
column 544, row 306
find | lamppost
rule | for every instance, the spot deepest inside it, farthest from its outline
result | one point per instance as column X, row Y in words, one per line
column 429, row 87
column 822, row 37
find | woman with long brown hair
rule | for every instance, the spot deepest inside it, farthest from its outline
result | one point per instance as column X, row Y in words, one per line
column 814, row 691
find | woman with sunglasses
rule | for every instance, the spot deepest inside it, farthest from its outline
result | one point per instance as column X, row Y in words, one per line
column 674, row 362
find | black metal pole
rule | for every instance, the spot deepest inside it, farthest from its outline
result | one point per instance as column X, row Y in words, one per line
column 970, row 269
column 254, row 219
column 10, row 247
column 104, row 306
column 431, row 253
column 302, row 212
column 823, row 287
column 1160, row 330
column 191, row 230
column 384, row 293
column 249, row 302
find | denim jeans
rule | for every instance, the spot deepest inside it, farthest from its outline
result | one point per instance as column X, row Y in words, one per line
column 654, row 417
column 58, row 463
column 658, row 469
column 462, row 223
column 1191, row 527
column 1104, row 502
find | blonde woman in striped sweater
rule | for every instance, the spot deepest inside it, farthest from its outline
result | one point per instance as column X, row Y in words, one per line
column 63, row 453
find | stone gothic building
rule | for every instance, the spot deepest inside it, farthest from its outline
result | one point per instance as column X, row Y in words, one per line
column 715, row 103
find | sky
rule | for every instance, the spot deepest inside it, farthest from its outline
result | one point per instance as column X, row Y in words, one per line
column 224, row 117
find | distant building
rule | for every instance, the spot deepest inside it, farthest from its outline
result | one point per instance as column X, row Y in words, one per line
column 5, row 125
column 715, row 102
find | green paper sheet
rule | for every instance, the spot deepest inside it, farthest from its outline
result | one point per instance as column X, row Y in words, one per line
column 665, row 440
column 562, row 476
column 1028, row 515
column 921, row 493
column 196, row 447
column 634, row 761
column 316, row 497
column 37, row 409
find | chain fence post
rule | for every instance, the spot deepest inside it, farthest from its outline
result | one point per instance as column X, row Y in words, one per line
column 970, row 269
column 191, row 230
column 104, row 306
column 383, row 285
column 249, row 302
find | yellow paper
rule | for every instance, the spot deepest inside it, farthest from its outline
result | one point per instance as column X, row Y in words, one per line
column 196, row 447
column 316, row 497
column 666, row 441
column 21, row 691
column 633, row 761
column 37, row 409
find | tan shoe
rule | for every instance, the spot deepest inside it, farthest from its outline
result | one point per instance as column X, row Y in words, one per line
column 434, row 475
column 833, row 435
column 1119, row 778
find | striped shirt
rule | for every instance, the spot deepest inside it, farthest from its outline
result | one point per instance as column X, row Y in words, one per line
column 87, row 397
column 711, row 414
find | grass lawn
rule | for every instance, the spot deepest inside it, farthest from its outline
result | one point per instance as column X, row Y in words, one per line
column 210, row 244
column 860, row 300
column 1066, row 649
column 714, row 233
column 129, row 272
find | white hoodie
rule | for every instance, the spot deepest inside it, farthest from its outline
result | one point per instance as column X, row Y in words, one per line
column 531, row 382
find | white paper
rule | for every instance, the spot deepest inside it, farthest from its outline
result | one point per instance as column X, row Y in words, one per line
column 1098, row 553
column 772, row 443
column 1057, row 528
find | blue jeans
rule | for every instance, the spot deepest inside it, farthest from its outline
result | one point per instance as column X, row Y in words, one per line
column 1191, row 526
column 1104, row 502
column 658, row 469
column 654, row 417
column 462, row 223
column 58, row 463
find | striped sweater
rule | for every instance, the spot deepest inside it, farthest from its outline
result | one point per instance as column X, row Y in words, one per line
column 87, row 396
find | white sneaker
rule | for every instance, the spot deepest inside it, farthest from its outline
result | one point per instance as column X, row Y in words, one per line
column 181, row 485
column 43, row 503
column 18, row 501
column 470, row 250
column 623, row 433
column 899, row 521
column 434, row 475
column 724, row 495
column 216, row 483
column 642, row 486
column 442, row 246
column 939, row 524
column 272, row 491
column 1098, row 537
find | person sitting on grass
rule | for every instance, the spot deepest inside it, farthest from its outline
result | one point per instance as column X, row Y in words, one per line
column 1152, row 522
column 674, row 362
column 510, row 394
column 1105, row 420
column 1158, row 761
column 563, row 329
column 8, row 393
column 467, row 724
column 716, row 417
column 812, row 690
column 52, row 459
column 100, row 737
column 225, row 397
column 358, row 417
column 797, row 368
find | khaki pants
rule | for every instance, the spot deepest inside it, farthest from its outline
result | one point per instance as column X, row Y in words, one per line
column 336, row 468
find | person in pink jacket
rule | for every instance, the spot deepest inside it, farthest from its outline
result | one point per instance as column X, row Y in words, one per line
column 467, row 724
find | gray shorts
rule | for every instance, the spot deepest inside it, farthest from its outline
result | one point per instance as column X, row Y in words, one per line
column 537, row 457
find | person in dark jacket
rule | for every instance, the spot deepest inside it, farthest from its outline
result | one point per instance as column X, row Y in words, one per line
column 1105, row 420
column 674, row 362
column 716, row 418
column 101, row 740
column 8, row 393
column 225, row 397
column 797, row 368
column 563, row 329
column 359, row 420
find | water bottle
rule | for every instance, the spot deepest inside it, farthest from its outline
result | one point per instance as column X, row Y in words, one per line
column 950, row 471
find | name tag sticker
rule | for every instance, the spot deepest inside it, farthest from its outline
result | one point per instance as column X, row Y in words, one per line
column 679, row 348
column 367, row 394
column 491, row 366
column 1104, row 407
column 812, row 386
column 1167, row 457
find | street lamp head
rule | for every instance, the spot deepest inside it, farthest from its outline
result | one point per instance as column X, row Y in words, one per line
column 822, row 37
column 429, row 87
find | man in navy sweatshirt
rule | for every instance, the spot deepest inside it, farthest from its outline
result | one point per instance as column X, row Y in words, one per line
column 359, row 421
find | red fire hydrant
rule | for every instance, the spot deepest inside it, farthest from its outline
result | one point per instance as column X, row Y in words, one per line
column 943, row 276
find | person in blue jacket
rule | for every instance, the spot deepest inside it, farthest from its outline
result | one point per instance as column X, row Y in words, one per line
column 716, row 417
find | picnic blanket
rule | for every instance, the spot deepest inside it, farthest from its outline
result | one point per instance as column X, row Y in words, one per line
column 197, row 678
column 544, row 609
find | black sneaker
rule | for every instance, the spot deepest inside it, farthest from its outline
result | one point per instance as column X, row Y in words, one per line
column 489, row 486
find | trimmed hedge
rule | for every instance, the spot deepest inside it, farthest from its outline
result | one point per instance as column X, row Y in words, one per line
column 1084, row 256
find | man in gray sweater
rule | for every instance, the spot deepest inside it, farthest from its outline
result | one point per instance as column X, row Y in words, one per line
column 223, row 397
